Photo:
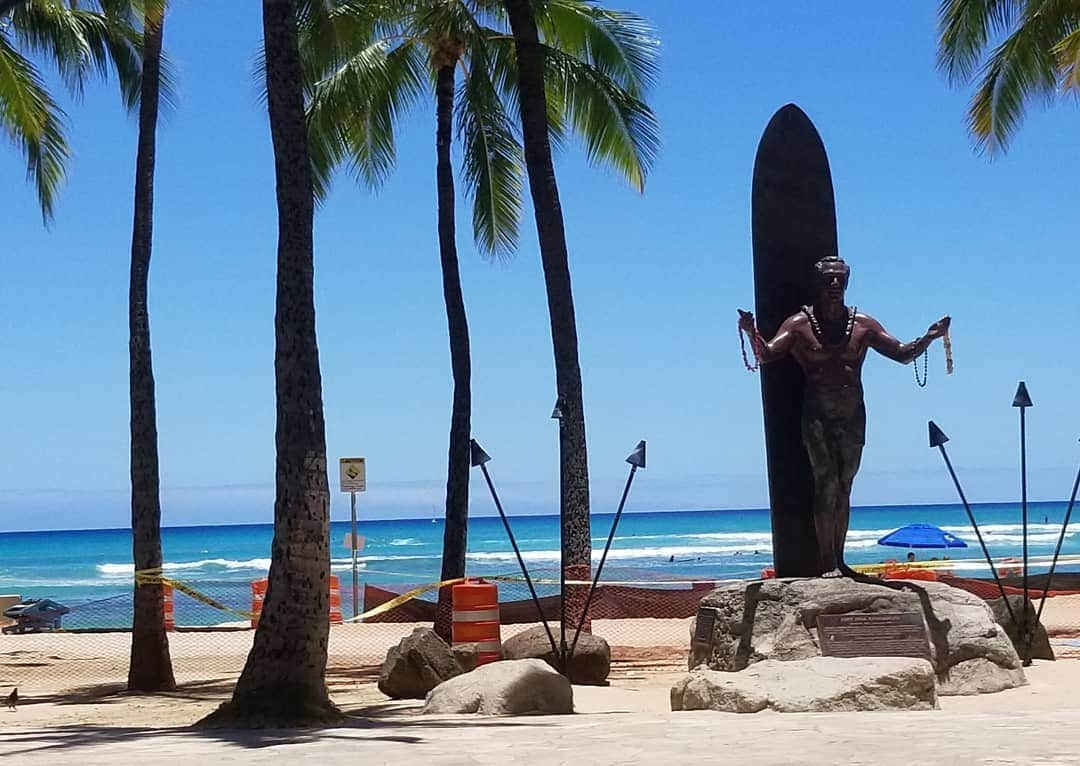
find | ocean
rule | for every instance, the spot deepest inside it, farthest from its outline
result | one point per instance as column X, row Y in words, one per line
column 90, row 571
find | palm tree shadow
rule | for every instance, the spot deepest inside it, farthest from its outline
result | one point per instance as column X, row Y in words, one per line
column 384, row 722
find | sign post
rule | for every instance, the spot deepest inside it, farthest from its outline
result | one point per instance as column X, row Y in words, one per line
column 353, row 480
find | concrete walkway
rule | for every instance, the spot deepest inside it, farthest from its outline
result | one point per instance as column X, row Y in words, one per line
column 671, row 739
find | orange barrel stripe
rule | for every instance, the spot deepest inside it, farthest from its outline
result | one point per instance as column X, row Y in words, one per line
column 258, row 593
column 167, row 603
column 476, row 618
column 335, row 600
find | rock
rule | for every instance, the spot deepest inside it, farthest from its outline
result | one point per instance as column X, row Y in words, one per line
column 777, row 620
column 466, row 655
column 589, row 665
column 510, row 687
column 978, row 676
column 1040, row 646
column 417, row 665
column 819, row 684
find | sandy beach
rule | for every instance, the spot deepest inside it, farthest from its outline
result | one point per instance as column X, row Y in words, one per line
column 627, row 722
column 77, row 679
column 51, row 664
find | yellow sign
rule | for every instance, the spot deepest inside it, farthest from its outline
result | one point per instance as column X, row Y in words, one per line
column 353, row 474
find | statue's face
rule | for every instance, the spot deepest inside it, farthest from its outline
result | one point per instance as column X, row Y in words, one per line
column 833, row 279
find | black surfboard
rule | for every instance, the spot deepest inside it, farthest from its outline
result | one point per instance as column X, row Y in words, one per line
column 794, row 225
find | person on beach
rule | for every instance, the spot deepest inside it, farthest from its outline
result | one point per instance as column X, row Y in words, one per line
column 829, row 340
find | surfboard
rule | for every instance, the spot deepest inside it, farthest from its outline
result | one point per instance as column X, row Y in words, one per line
column 794, row 225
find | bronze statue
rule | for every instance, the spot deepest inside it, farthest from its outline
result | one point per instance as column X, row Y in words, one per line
column 829, row 340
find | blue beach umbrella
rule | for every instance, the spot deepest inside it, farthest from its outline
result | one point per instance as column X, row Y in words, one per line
column 922, row 536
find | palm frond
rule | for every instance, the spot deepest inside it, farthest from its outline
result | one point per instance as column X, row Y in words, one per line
column 966, row 28
column 617, row 128
column 333, row 31
column 1020, row 70
column 353, row 113
column 502, row 58
column 1068, row 55
column 116, row 43
column 621, row 45
column 55, row 32
column 34, row 123
column 492, row 158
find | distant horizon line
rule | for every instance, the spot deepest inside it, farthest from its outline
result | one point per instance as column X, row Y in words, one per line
column 872, row 507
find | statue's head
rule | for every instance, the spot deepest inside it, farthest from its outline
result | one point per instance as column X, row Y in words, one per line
column 832, row 274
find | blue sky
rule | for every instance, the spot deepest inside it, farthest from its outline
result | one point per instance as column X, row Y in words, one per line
column 927, row 226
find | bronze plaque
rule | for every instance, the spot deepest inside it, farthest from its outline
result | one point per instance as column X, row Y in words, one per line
column 705, row 625
column 883, row 634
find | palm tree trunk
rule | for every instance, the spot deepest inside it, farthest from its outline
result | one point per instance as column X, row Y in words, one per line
column 150, row 668
column 573, row 459
column 456, row 530
column 284, row 680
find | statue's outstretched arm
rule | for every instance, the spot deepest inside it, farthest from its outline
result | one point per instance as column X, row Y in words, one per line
column 781, row 344
column 886, row 345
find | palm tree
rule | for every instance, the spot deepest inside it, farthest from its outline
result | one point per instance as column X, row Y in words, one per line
column 78, row 42
column 538, row 103
column 284, row 679
column 150, row 669
column 1020, row 50
column 370, row 63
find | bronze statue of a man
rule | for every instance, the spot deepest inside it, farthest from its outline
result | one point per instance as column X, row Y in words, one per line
column 829, row 340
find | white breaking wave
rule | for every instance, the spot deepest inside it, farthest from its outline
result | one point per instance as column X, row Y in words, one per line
column 663, row 552
column 259, row 565
column 128, row 570
column 406, row 541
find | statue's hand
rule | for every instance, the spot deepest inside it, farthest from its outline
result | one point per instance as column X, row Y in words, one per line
column 746, row 321
column 939, row 328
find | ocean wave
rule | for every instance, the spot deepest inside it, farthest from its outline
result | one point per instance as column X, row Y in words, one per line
column 661, row 552
column 128, row 570
column 111, row 570
column 733, row 537
column 406, row 541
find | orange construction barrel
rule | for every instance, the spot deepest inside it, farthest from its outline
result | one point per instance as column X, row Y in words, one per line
column 168, row 607
column 335, row 600
column 258, row 593
column 476, row 618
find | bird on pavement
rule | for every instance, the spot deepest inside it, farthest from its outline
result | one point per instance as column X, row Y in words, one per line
column 13, row 699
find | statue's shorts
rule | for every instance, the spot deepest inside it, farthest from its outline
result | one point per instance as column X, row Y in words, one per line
column 834, row 426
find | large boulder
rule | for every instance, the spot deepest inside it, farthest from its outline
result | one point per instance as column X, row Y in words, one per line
column 510, row 687
column 419, row 663
column 777, row 620
column 820, row 684
column 589, row 665
column 1040, row 645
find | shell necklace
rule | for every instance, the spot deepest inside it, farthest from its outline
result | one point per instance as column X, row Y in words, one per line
column 816, row 327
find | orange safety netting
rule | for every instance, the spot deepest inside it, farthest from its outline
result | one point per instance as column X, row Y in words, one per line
column 610, row 602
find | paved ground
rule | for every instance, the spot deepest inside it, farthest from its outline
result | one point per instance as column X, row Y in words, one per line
column 627, row 723
column 1046, row 739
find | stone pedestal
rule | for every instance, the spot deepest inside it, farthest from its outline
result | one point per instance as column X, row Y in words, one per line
column 777, row 620
column 817, row 685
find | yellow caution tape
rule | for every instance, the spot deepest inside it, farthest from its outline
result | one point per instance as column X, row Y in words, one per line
column 406, row 596
column 155, row 577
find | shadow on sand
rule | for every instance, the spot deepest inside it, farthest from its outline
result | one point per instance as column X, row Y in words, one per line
column 384, row 722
